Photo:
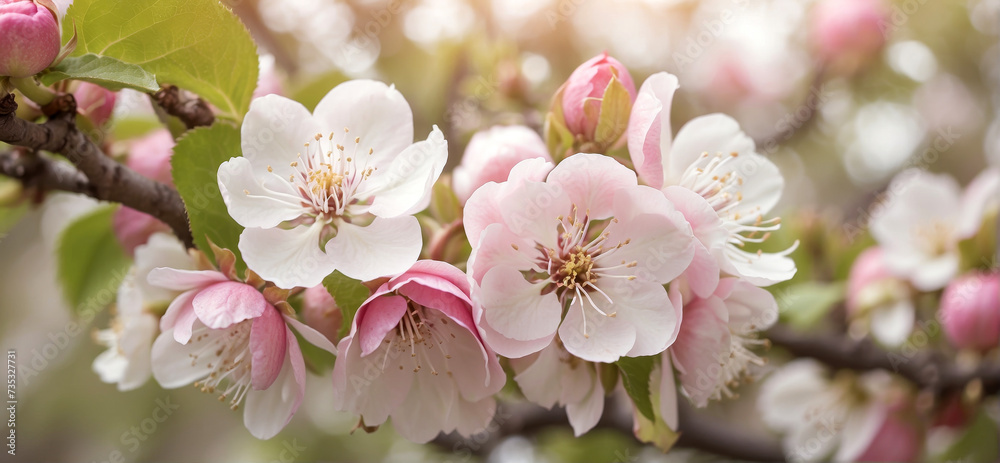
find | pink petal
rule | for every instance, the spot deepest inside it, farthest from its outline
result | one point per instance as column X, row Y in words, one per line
column 267, row 347
column 180, row 316
column 183, row 280
column 516, row 308
column 311, row 335
column 701, row 348
column 381, row 315
column 267, row 412
column 649, row 131
column 590, row 182
column 224, row 304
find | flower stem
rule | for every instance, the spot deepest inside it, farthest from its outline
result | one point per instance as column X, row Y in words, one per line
column 32, row 90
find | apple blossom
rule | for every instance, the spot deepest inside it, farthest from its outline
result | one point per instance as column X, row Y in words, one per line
column 848, row 32
column 874, row 292
column 847, row 414
column 150, row 156
column 588, row 240
column 228, row 338
column 414, row 354
column 133, row 228
column 713, row 353
column 970, row 311
column 712, row 174
column 30, row 39
column 584, row 92
column 95, row 103
column 130, row 337
column 332, row 190
column 924, row 218
column 492, row 153
column 553, row 376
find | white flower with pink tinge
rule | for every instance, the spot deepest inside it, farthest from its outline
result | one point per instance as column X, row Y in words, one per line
column 713, row 352
column 492, row 153
column 554, row 376
column 712, row 174
column 228, row 339
column 583, row 237
column 414, row 354
column 331, row 190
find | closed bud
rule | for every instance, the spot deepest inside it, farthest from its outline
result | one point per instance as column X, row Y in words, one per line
column 970, row 311
column 321, row 312
column 30, row 38
column 597, row 100
column 848, row 33
column 94, row 102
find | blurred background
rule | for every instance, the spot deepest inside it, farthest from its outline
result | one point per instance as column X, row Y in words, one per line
column 840, row 109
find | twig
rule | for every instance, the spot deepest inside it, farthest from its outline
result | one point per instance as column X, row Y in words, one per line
column 191, row 110
column 926, row 369
column 108, row 179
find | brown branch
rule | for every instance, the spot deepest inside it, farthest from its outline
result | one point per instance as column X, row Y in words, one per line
column 39, row 171
column 926, row 369
column 191, row 110
column 108, row 180
column 697, row 431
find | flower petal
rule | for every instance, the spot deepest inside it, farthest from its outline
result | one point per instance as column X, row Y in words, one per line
column 180, row 316
column 405, row 186
column 374, row 386
column 891, row 325
column 171, row 360
column 311, row 335
column 661, row 249
column 590, row 181
column 387, row 246
column 288, row 258
column 516, row 308
column 268, row 411
column 225, row 304
column 713, row 133
column 273, row 133
column 267, row 348
column 601, row 339
column 373, row 111
column 539, row 381
column 183, row 280
column 701, row 347
column 585, row 414
column 649, row 131
column 251, row 204
column 381, row 315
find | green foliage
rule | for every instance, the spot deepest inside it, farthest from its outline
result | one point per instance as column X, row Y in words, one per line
column 977, row 444
column 134, row 126
column 91, row 261
column 195, row 164
column 107, row 72
column 599, row 445
column 804, row 304
column 349, row 295
column 199, row 46
column 635, row 372
column 657, row 431
column 445, row 206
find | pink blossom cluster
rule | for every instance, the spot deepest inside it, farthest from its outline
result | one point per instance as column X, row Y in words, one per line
column 578, row 260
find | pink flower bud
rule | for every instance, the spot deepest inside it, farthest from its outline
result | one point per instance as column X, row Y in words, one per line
column 30, row 38
column 150, row 156
column 848, row 30
column 94, row 102
column 898, row 439
column 584, row 92
column 321, row 313
column 491, row 154
column 970, row 311
column 869, row 268
column 133, row 228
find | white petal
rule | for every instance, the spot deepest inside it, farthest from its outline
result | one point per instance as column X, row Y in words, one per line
column 371, row 110
column 425, row 411
column 110, row 365
column 979, row 196
column 892, row 325
column 250, row 203
column 935, row 273
column 605, row 339
column 516, row 308
column 584, row 415
column 371, row 386
column 860, row 429
column 288, row 258
column 787, row 396
column 405, row 187
column 172, row 365
column 311, row 335
column 646, row 306
column 387, row 246
column 183, row 280
column 273, row 133
column 668, row 393
column 762, row 270
column 137, row 343
column 714, row 133
column 539, row 381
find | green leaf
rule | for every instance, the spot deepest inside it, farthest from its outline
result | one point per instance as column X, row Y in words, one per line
column 195, row 164
column 635, row 377
column 198, row 46
column 349, row 295
column 558, row 138
column 656, row 432
column 804, row 304
column 104, row 71
column 91, row 261
column 444, row 204
column 978, row 443
column 615, row 110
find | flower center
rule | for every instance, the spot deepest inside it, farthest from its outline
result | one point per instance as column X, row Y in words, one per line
column 576, row 271
column 935, row 238
column 226, row 355
column 422, row 336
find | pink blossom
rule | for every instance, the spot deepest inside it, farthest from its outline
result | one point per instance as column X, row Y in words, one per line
column 584, row 91
column 970, row 311
column 555, row 377
column 492, row 153
column 897, row 439
column 712, row 352
column 849, row 29
column 874, row 292
column 95, row 102
column 150, row 155
column 583, row 235
column 227, row 338
column 133, row 228
column 414, row 354
column 321, row 312
column 30, row 39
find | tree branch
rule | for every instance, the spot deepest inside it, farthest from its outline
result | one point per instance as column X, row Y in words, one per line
column 926, row 369
column 108, row 179
column 189, row 108
column 39, row 171
column 697, row 431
